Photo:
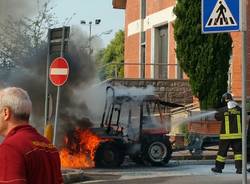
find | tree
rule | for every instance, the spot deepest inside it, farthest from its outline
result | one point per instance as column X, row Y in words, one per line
column 22, row 37
column 111, row 59
column 203, row 57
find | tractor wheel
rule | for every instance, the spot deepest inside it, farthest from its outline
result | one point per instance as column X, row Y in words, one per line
column 158, row 152
column 108, row 155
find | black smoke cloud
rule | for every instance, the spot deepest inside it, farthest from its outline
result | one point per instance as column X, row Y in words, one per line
column 19, row 8
column 30, row 74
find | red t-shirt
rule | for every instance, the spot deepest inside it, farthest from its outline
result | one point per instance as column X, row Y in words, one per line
column 26, row 157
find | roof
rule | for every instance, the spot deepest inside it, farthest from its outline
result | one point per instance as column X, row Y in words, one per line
column 119, row 4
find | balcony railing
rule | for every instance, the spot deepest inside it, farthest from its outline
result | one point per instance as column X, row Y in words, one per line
column 140, row 70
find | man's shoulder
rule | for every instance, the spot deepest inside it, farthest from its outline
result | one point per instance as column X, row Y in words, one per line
column 25, row 139
column 238, row 107
column 22, row 134
column 9, row 150
column 6, row 146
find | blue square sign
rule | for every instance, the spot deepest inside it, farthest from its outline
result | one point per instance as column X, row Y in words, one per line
column 220, row 16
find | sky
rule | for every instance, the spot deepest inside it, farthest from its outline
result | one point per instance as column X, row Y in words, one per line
column 89, row 10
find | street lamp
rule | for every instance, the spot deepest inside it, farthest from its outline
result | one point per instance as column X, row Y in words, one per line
column 105, row 32
column 90, row 23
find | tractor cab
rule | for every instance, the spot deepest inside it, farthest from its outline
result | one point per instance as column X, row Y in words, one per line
column 132, row 116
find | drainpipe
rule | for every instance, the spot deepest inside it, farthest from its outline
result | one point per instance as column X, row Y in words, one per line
column 140, row 37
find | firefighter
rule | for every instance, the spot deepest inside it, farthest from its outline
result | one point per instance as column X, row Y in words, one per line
column 230, row 134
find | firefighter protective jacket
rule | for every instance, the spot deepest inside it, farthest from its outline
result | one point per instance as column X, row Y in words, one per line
column 231, row 123
column 26, row 157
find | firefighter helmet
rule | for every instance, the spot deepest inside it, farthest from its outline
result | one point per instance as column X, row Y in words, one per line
column 226, row 97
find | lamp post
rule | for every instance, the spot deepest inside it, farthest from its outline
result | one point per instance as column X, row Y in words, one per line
column 90, row 23
column 105, row 32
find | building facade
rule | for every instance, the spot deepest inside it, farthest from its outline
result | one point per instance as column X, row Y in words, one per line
column 150, row 44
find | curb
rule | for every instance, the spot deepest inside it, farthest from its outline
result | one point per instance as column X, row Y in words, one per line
column 198, row 162
column 72, row 176
column 200, row 157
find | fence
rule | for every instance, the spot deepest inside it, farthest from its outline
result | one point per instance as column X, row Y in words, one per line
column 141, row 70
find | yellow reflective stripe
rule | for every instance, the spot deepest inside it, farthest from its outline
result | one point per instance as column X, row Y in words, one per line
column 231, row 136
column 233, row 111
column 239, row 123
column 227, row 124
column 220, row 158
column 238, row 157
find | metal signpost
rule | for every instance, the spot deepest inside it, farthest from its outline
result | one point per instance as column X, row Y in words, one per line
column 228, row 16
column 220, row 16
column 59, row 71
column 244, row 95
column 57, row 44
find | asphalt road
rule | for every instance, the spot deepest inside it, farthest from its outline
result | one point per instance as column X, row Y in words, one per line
column 173, row 173
column 222, row 179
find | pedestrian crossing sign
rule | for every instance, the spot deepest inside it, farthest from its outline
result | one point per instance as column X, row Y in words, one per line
column 220, row 16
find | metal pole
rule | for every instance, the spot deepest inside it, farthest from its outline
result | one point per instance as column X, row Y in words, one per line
column 243, row 24
column 140, row 40
column 244, row 119
column 47, row 82
column 58, row 90
column 116, row 71
column 56, row 114
column 90, row 34
column 62, row 42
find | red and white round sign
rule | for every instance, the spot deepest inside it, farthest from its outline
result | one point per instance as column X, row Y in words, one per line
column 59, row 71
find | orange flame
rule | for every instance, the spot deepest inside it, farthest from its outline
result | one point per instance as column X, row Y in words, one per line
column 80, row 154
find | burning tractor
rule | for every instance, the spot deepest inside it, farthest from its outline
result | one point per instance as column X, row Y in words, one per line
column 131, row 126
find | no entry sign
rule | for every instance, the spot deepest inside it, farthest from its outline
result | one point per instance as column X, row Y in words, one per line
column 59, row 71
